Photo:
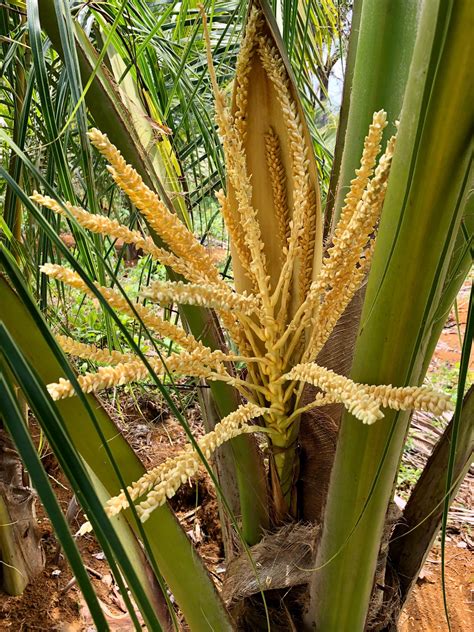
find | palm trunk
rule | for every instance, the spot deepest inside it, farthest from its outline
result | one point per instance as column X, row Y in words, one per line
column 21, row 552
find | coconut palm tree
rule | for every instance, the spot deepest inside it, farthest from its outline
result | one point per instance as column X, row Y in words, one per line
column 319, row 348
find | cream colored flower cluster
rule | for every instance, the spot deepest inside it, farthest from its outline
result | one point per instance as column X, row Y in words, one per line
column 112, row 228
column 364, row 172
column 360, row 215
column 278, row 330
column 304, row 202
column 233, row 225
column 127, row 368
column 163, row 481
column 361, row 400
column 203, row 295
column 243, row 68
column 354, row 238
column 410, row 397
column 348, row 259
column 241, row 186
column 181, row 241
column 277, row 174
column 105, row 377
column 339, row 389
column 302, row 194
column 93, row 353
column 346, row 264
column 150, row 319
column 364, row 401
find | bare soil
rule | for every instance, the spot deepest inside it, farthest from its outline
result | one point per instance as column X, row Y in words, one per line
column 448, row 349
column 424, row 611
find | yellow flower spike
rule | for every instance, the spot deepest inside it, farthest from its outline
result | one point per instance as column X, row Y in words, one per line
column 181, row 241
column 112, row 228
column 349, row 258
column 125, row 372
column 365, row 171
column 91, row 352
column 253, row 320
column 163, row 481
column 340, row 389
column 410, row 397
column 105, row 377
column 232, row 223
column 278, row 181
column 364, row 401
column 346, row 265
column 242, row 70
column 117, row 301
column 203, row 295
column 302, row 194
column 273, row 386
column 238, row 177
